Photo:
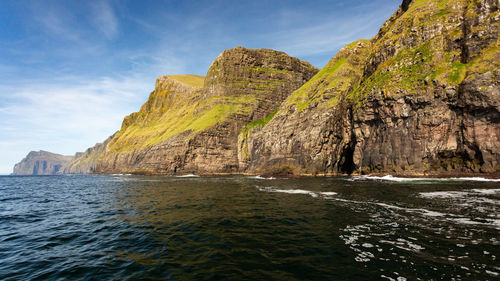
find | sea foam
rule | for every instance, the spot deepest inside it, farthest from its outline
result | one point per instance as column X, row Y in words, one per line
column 403, row 179
column 298, row 191
column 188, row 176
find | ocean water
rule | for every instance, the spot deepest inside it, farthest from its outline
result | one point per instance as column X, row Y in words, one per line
column 121, row 227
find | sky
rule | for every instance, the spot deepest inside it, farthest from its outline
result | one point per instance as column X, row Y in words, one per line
column 71, row 70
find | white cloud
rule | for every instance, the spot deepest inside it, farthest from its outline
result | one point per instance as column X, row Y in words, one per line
column 84, row 33
column 69, row 113
column 74, row 106
column 57, row 22
column 313, row 38
column 65, row 118
column 104, row 19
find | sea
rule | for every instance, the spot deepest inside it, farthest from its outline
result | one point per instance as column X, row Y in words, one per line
column 127, row 227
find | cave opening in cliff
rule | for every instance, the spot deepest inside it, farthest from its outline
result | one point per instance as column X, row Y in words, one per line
column 347, row 160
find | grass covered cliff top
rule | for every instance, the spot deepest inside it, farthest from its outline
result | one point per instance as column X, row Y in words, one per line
column 189, row 79
column 242, row 84
column 424, row 43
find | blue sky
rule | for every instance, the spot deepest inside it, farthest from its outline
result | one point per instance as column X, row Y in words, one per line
column 71, row 70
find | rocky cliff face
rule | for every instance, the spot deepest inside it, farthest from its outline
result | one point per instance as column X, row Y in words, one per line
column 191, row 123
column 421, row 97
column 41, row 163
column 84, row 162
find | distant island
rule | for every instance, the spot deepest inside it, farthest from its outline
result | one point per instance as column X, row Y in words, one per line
column 422, row 97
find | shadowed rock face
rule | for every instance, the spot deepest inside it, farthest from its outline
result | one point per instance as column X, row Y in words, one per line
column 41, row 163
column 421, row 97
column 191, row 123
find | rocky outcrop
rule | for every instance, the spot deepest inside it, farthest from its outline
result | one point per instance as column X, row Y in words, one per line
column 84, row 162
column 41, row 163
column 191, row 123
column 421, row 97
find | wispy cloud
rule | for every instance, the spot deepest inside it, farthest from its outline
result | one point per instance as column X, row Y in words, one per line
column 311, row 38
column 78, row 106
column 64, row 118
column 58, row 22
column 70, row 24
column 104, row 18
column 323, row 38
column 68, row 113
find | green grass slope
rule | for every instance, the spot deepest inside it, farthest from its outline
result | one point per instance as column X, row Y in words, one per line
column 174, row 110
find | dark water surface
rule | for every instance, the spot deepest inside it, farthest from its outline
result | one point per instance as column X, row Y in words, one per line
column 241, row 228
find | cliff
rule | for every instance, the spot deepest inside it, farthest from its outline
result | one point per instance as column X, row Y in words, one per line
column 84, row 162
column 191, row 123
column 41, row 163
column 420, row 98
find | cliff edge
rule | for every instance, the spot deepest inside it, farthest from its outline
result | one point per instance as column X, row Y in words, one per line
column 190, row 123
column 420, row 98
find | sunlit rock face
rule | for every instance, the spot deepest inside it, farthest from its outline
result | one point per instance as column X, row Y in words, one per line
column 421, row 97
column 191, row 123
column 84, row 162
column 41, row 163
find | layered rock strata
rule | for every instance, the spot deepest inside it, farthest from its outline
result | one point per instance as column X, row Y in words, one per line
column 190, row 124
column 41, row 163
column 420, row 98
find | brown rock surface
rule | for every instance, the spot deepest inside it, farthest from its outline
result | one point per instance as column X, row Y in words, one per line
column 192, row 127
column 421, row 97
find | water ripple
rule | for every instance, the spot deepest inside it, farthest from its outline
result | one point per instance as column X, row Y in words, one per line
column 239, row 228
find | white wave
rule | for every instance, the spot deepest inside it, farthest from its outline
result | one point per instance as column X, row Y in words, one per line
column 494, row 222
column 413, row 210
column 188, row 176
column 289, row 191
column 442, row 194
column 476, row 179
column 492, row 273
column 490, row 222
column 486, row 191
column 399, row 278
column 325, row 194
column 485, row 222
column 402, row 179
column 385, row 178
column 459, row 194
column 261, row 178
column 328, row 193
column 404, row 244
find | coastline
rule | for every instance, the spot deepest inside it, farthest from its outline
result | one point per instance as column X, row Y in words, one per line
column 449, row 175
